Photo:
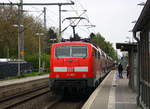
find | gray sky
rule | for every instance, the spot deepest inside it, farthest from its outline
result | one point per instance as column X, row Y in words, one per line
column 112, row 17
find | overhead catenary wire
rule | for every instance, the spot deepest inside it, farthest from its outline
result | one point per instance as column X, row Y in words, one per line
column 72, row 22
column 77, row 13
column 51, row 20
column 9, row 1
column 30, row 24
column 83, row 8
column 77, row 2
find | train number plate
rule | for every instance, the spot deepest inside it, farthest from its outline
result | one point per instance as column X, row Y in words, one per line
column 70, row 69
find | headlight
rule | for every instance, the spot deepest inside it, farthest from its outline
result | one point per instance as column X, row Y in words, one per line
column 81, row 69
column 84, row 76
column 57, row 75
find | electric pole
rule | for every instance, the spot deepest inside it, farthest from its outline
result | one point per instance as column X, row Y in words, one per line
column 44, row 41
column 59, row 37
column 44, row 11
column 20, row 36
column 21, row 31
column 21, row 4
column 21, row 27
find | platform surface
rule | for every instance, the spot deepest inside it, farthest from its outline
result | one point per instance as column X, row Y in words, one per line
column 112, row 93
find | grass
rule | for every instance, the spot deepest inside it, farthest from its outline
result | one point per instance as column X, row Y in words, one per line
column 30, row 74
column 25, row 75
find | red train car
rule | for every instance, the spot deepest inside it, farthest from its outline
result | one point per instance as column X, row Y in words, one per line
column 76, row 65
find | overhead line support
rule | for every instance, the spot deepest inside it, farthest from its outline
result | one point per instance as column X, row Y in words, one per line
column 28, row 4
column 39, row 4
column 20, row 19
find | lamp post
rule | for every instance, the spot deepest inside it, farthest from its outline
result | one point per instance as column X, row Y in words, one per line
column 19, row 45
column 40, row 34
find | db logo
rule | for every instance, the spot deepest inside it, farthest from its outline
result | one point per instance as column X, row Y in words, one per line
column 70, row 69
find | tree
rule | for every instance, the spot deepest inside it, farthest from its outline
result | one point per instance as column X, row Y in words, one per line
column 9, row 33
column 106, row 46
column 52, row 34
column 51, row 37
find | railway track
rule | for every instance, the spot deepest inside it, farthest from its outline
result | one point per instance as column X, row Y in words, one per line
column 74, row 102
column 67, row 103
column 12, row 101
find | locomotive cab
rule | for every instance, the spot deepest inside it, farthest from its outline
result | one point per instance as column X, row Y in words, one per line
column 74, row 65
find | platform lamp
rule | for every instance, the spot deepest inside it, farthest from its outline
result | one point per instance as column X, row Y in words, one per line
column 19, row 48
column 39, row 37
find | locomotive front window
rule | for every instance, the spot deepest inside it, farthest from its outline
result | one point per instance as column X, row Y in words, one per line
column 62, row 51
column 71, row 51
column 79, row 51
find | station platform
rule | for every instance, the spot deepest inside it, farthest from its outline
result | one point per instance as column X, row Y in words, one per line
column 112, row 93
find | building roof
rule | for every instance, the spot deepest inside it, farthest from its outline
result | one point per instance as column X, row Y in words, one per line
column 126, row 46
column 143, row 18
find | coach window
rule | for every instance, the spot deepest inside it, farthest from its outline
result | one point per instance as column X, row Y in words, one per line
column 94, row 52
column 99, row 54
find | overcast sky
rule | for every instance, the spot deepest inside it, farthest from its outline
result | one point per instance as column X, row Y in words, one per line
column 112, row 17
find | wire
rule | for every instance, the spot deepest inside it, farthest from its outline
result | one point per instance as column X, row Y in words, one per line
column 9, row 1
column 83, row 8
column 31, row 24
column 52, row 20
column 83, row 14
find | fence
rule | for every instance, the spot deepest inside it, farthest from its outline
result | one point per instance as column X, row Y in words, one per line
column 9, row 69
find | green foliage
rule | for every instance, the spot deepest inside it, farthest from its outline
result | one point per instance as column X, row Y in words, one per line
column 51, row 37
column 9, row 32
column 34, row 59
column 24, row 75
column 106, row 46
column 30, row 74
column 46, row 59
column 52, row 34
column 9, row 36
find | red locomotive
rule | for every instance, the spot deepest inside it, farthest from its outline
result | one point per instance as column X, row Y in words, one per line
column 77, row 65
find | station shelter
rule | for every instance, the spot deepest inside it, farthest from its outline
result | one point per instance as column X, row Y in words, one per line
column 131, row 48
column 141, row 32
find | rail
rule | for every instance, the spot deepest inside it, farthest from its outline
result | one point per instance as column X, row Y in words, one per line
column 24, row 97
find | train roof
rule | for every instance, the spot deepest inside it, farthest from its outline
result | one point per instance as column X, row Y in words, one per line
column 72, row 43
column 82, row 43
column 79, row 43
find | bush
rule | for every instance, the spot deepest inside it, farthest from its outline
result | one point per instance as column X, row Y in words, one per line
column 34, row 60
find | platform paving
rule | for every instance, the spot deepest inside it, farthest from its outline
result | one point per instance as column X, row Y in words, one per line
column 112, row 93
